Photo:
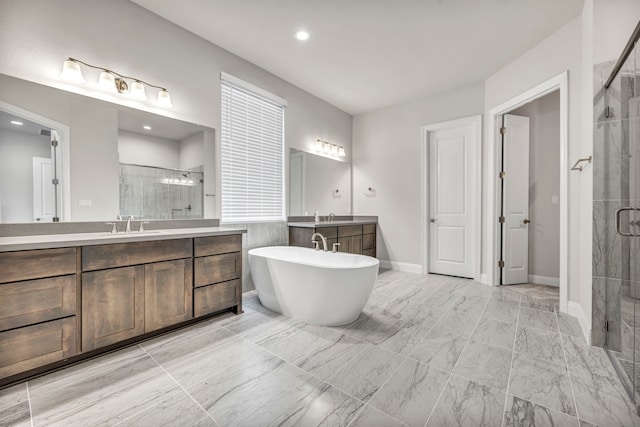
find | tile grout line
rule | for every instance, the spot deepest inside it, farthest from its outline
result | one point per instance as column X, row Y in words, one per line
column 513, row 352
column 179, row 385
column 364, row 404
column 566, row 362
column 455, row 364
column 29, row 400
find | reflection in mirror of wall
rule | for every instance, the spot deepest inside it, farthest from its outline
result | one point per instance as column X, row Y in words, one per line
column 28, row 175
column 96, row 137
column 318, row 184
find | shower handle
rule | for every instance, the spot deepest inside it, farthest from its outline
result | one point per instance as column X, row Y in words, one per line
column 618, row 215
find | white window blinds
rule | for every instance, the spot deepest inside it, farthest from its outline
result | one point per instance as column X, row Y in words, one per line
column 252, row 151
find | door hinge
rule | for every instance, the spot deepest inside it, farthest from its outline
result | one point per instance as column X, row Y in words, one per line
column 54, row 143
column 503, row 130
column 501, row 220
column 55, row 181
column 502, row 174
column 56, row 219
column 501, row 264
column 606, row 325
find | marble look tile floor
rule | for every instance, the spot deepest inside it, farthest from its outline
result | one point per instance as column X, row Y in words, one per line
column 426, row 351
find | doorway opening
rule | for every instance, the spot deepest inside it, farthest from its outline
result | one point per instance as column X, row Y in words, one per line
column 451, row 179
column 528, row 249
column 529, row 222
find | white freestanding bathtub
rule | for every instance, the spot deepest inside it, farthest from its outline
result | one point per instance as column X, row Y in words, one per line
column 321, row 288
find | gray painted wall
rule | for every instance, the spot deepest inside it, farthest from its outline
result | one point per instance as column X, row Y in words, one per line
column 127, row 38
column 387, row 157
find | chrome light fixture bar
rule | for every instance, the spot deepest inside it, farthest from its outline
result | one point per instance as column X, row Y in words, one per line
column 111, row 81
column 328, row 148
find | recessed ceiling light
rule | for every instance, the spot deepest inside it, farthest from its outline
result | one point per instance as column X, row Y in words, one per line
column 17, row 123
column 302, row 35
column 146, row 127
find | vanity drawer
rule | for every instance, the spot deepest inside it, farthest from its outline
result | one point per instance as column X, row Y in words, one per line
column 26, row 265
column 34, row 346
column 216, row 245
column 35, row 301
column 349, row 230
column 368, row 241
column 100, row 257
column 217, row 268
column 369, row 228
column 212, row 298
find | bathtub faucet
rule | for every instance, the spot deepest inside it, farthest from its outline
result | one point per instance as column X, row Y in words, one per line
column 315, row 242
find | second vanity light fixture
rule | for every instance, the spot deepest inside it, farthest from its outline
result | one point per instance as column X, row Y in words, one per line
column 113, row 82
column 329, row 149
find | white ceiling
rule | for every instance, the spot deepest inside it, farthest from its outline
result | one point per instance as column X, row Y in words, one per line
column 368, row 54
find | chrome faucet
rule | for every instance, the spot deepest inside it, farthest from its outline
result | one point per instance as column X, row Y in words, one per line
column 128, row 229
column 331, row 216
column 315, row 243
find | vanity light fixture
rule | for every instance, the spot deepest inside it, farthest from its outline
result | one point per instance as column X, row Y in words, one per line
column 328, row 148
column 111, row 81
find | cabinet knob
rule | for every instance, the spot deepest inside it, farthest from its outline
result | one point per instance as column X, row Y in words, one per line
column 526, row 221
column 434, row 219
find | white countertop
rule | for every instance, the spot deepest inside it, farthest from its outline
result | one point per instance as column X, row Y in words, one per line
column 311, row 224
column 48, row 241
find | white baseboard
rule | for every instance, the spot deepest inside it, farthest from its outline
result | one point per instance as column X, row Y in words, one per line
column 544, row 280
column 401, row 266
column 575, row 310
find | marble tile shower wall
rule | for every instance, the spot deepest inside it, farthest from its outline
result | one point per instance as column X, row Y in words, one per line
column 157, row 193
column 615, row 134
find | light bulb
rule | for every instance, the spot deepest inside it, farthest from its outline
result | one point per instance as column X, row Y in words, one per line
column 341, row 152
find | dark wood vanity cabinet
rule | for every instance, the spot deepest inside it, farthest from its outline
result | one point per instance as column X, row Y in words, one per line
column 59, row 303
column 127, row 295
column 217, row 274
column 354, row 239
column 38, row 301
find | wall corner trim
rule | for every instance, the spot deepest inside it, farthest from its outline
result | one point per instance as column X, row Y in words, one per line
column 575, row 310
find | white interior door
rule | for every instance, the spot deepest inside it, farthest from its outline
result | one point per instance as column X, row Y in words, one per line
column 43, row 190
column 452, row 154
column 515, row 229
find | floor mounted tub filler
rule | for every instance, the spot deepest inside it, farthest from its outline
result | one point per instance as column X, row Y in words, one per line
column 316, row 287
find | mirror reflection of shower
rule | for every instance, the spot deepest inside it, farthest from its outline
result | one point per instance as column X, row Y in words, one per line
column 149, row 192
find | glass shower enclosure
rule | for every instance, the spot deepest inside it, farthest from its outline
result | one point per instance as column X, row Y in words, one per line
column 616, row 215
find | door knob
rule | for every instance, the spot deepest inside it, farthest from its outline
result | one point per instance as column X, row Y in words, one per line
column 526, row 221
column 434, row 219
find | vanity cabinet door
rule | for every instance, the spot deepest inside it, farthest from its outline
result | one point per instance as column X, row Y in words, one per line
column 112, row 306
column 351, row 244
column 168, row 293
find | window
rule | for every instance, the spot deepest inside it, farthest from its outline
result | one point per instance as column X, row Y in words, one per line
column 252, row 151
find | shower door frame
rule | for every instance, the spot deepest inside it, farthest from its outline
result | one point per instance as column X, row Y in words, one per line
column 561, row 83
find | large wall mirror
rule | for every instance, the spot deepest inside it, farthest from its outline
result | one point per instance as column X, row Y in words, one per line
column 107, row 160
column 318, row 184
